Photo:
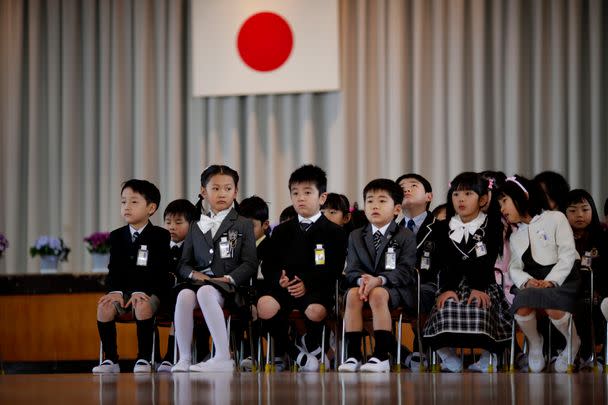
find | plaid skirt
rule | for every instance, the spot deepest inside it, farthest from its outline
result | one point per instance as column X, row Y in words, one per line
column 459, row 324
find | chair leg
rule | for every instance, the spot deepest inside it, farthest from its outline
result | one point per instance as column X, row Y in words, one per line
column 100, row 352
column 512, row 354
column 153, row 346
column 570, row 359
column 322, row 365
column 343, row 344
column 435, row 367
column 606, row 350
column 398, row 360
column 268, row 367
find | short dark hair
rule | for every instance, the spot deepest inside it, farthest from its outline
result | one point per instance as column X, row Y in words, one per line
column 181, row 207
column 338, row 202
column 415, row 176
column 288, row 213
column 309, row 174
column 556, row 185
column 532, row 203
column 147, row 190
column 254, row 207
column 392, row 188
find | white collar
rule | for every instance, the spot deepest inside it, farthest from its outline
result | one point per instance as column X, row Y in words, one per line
column 220, row 215
column 382, row 230
column 178, row 244
column 257, row 242
column 140, row 230
column 459, row 229
column 310, row 220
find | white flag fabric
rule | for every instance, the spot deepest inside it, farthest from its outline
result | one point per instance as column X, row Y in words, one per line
column 242, row 47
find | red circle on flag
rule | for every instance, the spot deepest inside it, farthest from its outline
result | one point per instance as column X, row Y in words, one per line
column 265, row 41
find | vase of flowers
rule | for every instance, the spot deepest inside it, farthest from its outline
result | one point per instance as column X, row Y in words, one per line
column 98, row 244
column 51, row 250
column 3, row 244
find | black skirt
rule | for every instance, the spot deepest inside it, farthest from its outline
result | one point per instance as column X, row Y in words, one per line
column 561, row 297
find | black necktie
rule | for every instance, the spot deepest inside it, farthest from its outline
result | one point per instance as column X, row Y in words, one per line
column 377, row 239
column 305, row 225
column 411, row 224
column 135, row 236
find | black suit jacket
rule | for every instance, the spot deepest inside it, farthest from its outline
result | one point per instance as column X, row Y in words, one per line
column 202, row 251
column 454, row 266
column 124, row 274
column 363, row 258
column 293, row 250
column 426, row 244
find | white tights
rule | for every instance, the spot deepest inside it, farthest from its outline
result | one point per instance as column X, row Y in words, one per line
column 210, row 300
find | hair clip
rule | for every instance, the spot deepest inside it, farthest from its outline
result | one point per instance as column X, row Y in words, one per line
column 449, row 184
column 490, row 183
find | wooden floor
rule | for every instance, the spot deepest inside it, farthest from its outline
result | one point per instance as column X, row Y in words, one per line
column 312, row 388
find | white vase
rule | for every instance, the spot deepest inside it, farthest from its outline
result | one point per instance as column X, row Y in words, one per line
column 100, row 262
column 48, row 264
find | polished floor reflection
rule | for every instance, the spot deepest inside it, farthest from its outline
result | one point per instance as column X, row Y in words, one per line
column 313, row 388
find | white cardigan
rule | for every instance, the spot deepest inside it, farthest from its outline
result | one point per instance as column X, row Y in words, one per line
column 552, row 243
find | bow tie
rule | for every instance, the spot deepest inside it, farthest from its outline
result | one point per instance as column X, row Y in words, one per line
column 459, row 229
column 206, row 223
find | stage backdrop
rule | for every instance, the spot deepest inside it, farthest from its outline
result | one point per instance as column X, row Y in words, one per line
column 95, row 92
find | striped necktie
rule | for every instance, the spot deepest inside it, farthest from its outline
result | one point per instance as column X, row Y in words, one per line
column 377, row 239
column 305, row 225
column 135, row 236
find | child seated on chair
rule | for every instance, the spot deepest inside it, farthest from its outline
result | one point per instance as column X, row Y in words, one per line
column 306, row 256
column 471, row 309
column 219, row 256
column 138, row 265
column 380, row 271
column 178, row 216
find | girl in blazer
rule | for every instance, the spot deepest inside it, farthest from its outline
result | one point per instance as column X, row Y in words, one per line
column 542, row 258
column 219, row 255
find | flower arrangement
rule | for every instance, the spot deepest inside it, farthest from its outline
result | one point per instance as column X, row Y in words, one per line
column 50, row 246
column 98, row 242
column 3, row 244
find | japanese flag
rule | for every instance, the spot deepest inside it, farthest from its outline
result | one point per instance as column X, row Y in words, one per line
column 264, row 46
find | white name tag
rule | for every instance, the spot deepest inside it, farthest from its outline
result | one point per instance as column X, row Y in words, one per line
column 391, row 259
column 480, row 249
column 142, row 256
column 425, row 261
column 225, row 250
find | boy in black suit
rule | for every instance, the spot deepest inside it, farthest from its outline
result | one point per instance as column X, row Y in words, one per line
column 380, row 272
column 256, row 209
column 178, row 216
column 306, row 256
column 415, row 216
column 138, row 266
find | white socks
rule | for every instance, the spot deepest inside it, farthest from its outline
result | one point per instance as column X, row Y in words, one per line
column 604, row 307
column 528, row 326
column 184, row 323
column 562, row 326
column 211, row 302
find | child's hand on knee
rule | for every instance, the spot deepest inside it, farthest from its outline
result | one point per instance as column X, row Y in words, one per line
column 371, row 283
column 483, row 299
column 284, row 280
column 110, row 298
column 446, row 296
column 137, row 298
column 296, row 287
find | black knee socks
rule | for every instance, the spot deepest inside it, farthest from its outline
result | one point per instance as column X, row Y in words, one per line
column 144, row 338
column 107, row 334
column 353, row 344
column 314, row 333
column 279, row 330
column 384, row 341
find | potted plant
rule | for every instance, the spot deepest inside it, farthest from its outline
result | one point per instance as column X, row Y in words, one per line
column 98, row 244
column 51, row 250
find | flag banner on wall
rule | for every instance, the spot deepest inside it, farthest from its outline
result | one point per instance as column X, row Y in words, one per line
column 242, row 47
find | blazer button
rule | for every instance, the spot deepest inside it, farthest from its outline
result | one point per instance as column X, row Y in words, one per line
column 211, row 251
